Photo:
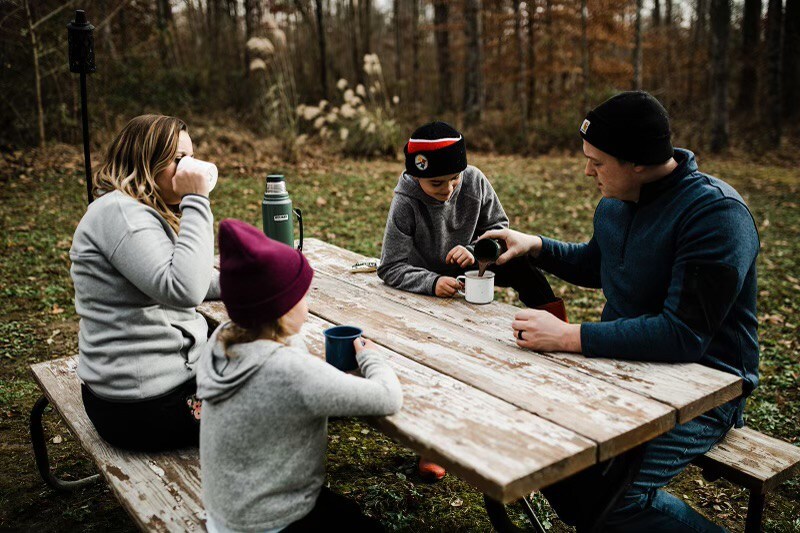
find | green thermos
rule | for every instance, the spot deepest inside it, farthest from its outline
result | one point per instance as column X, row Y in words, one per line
column 277, row 212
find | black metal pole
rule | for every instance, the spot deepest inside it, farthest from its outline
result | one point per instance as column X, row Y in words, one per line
column 81, row 61
column 86, row 157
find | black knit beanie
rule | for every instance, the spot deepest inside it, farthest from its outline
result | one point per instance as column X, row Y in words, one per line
column 632, row 126
column 435, row 149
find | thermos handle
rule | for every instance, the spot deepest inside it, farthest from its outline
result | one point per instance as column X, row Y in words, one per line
column 299, row 215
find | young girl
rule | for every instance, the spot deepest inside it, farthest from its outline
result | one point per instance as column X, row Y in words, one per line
column 266, row 400
column 142, row 260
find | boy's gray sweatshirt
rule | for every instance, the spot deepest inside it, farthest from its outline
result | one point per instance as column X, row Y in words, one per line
column 421, row 230
column 264, row 427
column 137, row 284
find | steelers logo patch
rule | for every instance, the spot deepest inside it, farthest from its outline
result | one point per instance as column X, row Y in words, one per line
column 421, row 161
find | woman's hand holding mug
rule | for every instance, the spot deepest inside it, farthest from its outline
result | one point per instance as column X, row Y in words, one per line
column 194, row 177
column 517, row 243
column 187, row 182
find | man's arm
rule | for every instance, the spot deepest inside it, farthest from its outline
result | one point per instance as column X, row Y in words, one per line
column 576, row 263
column 717, row 247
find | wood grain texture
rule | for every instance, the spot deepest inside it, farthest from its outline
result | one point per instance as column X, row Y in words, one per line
column 500, row 449
column 691, row 389
column 615, row 418
column 754, row 460
column 160, row 491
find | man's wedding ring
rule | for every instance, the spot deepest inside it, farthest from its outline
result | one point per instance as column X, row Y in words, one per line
column 519, row 335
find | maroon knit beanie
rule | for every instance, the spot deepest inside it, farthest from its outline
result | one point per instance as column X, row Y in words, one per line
column 260, row 279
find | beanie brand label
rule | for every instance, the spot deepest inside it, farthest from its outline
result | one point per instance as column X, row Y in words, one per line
column 421, row 161
column 280, row 218
column 585, row 126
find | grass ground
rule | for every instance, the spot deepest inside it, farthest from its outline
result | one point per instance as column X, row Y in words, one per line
column 344, row 202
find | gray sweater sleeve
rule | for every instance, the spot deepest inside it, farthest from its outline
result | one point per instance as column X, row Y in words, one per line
column 493, row 216
column 177, row 274
column 213, row 289
column 327, row 391
column 395, row 269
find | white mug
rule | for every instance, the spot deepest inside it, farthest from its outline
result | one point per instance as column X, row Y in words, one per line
column 477, row 289
column 209, row 170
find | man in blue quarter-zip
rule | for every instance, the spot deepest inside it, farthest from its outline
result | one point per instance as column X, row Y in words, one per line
column 674, row 251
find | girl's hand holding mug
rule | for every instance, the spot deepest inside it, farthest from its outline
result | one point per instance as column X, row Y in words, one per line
column 363, row 345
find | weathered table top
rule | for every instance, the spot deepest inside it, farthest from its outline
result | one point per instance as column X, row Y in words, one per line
column 506, row 420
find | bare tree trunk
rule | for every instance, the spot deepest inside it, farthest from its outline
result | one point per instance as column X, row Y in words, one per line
column 415, row 54
column 550, row 40
column 366, row 22
column 531, row 58
column 441, row 12
column 323, row 54
column 37, row 75
column 521, row 95
column 473, row 65
column 699, row 34
column 249, row 28
column 357, row 68
column 656, row 13
column 720, row 39
column 773, row 100
column 398, row 42
column 163, row 18
column 791, row 60
column 585, row 54
column 637, row 48
column 748, row 82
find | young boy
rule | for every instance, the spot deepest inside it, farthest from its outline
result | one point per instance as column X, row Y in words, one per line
column 440, row 207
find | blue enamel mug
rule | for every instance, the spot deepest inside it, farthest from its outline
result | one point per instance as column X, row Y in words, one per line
column 339, row 349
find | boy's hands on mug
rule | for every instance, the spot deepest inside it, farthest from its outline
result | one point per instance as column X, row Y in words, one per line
column 187, row 182
column 447, row 287
column 517, row 243
column 460, row 256
column 536, row 329
column 362, row 345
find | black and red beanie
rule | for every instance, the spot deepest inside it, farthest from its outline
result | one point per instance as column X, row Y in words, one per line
column 632, row 126
column 435, row 149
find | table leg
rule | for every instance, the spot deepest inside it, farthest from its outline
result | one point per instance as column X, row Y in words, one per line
column 498, row 516
column 40, row 452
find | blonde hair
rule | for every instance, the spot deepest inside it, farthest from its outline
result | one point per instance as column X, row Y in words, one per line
column 144, row 148
column 233, row 333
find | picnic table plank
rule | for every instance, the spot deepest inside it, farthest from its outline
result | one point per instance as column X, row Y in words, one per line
column 502, row 450
column 690, row 388
column 160, row 491
column 613, row 417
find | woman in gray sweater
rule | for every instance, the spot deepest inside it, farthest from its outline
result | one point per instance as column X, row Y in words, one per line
column 142, row 260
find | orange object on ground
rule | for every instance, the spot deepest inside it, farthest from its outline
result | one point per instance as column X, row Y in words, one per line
column 430, row 471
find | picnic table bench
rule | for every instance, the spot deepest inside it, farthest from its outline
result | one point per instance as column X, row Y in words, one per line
column 506, row 420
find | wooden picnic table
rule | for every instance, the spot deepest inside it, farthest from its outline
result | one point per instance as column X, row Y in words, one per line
column 506, row 420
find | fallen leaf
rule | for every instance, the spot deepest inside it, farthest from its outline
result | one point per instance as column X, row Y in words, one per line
column 57, row 439
column 457, row 502
column 321, row 201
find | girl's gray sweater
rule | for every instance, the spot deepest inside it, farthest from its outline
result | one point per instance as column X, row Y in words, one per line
column 137, row 284
column 264, row 427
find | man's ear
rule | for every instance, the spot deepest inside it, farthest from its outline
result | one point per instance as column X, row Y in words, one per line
column 639, row 168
